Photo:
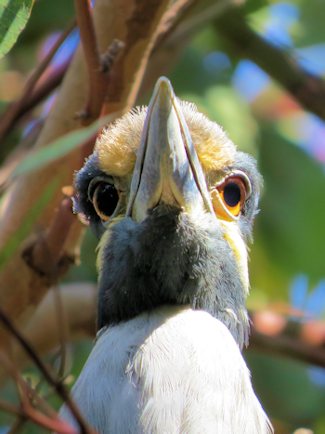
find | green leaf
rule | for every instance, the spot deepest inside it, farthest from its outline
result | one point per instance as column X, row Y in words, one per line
column 59, row 148
column 292, row 217
column 14, row 15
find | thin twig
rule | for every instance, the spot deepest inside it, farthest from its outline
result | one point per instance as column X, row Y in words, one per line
column 29, row 398
column 45, row 87
column 35, row 398
column 12, row 113
column 10, row 408
column 29, row 413
column 57, row 385
column 17, row 425
column 41, row 91
column 62, row 330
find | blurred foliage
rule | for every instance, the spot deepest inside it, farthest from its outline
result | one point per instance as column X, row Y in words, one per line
column 47, row 17
column 292, row 221
column 290, row 230
column 309, row 30
column 285, row 386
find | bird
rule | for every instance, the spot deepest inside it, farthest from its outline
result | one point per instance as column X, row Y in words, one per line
column 172, row 201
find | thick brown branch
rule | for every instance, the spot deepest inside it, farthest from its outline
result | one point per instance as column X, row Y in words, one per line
column 172, row 17
column 97, row 80
column 185, row 17
column 136, row 25
column 88, row 36
column 45, row 255
column 307, row 89
column 182, row 20
column 12, row 113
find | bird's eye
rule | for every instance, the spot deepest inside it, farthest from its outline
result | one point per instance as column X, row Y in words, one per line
column 229, row 196
column 104, row 197
column 233, row 194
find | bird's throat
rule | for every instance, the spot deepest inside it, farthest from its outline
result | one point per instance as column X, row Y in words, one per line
column 170, row 259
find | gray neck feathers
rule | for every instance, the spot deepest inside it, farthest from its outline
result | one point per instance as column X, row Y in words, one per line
column 170, row 259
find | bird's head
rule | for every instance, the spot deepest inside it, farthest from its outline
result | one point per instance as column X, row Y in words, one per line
column 173, row 202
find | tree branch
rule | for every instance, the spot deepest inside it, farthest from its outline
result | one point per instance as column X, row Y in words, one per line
column 139, row 33
column 183, row 19
column 136, row 25
column 29, row 413
column 45, row 255
column 79, row 301
column 284, row 345
column 276, row 334
column 97, row 80
column 306, row 88
column 14, row 110
column 271, row 332
column 57, row 385
column 44, row 88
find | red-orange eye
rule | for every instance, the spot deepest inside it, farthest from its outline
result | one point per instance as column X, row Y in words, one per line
column 229, row 196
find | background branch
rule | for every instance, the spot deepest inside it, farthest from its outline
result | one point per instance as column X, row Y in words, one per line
column 97, row 80
column 279, row 335
column 136, row 25
column 307, row 89
column 285, row 345
column 79, row 301
column 285, row 337
column 13, row 112
column 52, row 381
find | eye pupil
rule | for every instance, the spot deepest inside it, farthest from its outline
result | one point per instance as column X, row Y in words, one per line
column 105, row 198
column 232, row 194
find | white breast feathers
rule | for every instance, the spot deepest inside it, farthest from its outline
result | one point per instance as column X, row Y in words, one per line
column 174, row 370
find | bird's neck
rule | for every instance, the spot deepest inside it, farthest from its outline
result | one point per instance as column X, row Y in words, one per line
column 170, row 260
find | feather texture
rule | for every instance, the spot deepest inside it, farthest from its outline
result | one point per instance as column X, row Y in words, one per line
column 171, row 370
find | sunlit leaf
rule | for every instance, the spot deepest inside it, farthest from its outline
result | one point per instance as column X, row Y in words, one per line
column 14, row 15
column 59, row 148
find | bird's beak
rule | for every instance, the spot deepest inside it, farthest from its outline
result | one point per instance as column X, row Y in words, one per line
column 167, row 169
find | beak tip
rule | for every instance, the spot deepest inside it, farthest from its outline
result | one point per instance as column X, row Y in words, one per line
column 164, row 88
